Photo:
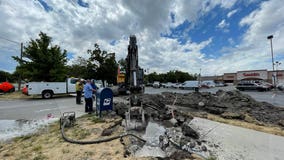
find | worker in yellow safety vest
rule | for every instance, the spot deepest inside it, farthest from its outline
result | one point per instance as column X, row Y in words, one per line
column 79, row 88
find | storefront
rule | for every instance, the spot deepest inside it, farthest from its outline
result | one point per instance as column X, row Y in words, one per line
column 229, row 77
column 250, row 75
column 253, row 75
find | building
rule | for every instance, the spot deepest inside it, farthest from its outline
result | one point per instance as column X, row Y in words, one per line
column 260, row 75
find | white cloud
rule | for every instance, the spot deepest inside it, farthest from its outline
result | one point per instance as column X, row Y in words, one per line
column 77, row 28
column 223, row 24
column 254, row 50
column 231, row 13
column 265, row 21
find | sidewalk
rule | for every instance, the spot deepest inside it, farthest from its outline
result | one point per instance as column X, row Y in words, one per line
column 239, row 143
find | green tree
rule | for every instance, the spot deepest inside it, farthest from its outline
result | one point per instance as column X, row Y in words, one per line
column 5, row 76
column 171, row 76
column 122, row 64
column 42, row 61
column 102, row 65
column 79, row 68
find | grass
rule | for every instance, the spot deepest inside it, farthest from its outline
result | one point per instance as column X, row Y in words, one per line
column 40, row 157
column 14, row 95
column 96, row 119
column 211, row 158
column 20, row 95
column 65, row 151
column 37, row 148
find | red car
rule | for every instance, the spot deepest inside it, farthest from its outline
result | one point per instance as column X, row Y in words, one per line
column 6, row 87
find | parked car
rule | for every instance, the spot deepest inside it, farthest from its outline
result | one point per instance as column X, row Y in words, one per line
column 280, row 86
column 6, row 87
column 163, row 85
column 149, row 84
column 252, row 86
column 177, row 85
column 156, row 84
column 207, row 84
column 220, row 84
column 190, row 85
column 269, row 85
column 169, row 85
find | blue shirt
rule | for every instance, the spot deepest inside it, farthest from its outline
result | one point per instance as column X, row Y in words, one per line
column 88, row 90
column 94, row 86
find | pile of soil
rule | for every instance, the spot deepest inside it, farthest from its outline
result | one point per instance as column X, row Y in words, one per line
column 228, row 104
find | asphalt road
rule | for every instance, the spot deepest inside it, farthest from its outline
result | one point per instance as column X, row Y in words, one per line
column 32, row 109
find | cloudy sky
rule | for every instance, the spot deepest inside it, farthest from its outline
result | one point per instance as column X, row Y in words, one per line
column 216, row 36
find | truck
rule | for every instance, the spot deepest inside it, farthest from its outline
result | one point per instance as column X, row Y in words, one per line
column 48, row 89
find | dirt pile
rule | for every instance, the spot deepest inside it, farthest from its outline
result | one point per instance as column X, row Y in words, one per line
column 228, row 104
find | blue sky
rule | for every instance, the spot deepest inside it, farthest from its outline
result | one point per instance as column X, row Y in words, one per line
column 217, row 36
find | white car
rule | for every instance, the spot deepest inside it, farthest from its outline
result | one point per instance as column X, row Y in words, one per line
column 156, row 84
column 208, row 84
column 169, row 85
column 177, row 85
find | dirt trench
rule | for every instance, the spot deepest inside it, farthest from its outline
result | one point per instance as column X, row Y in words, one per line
column 227, row 104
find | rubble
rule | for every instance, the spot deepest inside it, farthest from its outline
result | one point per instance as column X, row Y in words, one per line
column 188, row 131
column 227, row 104
column 171, row 110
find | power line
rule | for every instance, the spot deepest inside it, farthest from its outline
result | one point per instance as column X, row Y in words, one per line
column 9, row 40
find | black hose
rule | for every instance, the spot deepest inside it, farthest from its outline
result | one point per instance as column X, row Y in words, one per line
column 98, row 140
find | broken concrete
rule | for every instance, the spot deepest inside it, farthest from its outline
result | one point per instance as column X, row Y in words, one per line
column 166, row 109
column 228, row 104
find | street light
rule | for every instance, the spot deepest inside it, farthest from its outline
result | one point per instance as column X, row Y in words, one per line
column 273, row 76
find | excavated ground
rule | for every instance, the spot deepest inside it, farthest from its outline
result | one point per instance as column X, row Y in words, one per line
column 229, row 104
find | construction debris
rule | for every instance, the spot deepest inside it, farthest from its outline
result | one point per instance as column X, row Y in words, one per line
column 171, row 110
column 227, row 104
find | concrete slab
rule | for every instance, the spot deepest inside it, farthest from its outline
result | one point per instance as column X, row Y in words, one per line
column 236, row 143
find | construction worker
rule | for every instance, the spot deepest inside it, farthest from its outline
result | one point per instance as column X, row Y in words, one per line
column 79, row 88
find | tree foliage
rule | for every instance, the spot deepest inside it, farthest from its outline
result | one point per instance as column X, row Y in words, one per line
column 6, row 76
column 171, row 76
column 102, row 65
column 42, row 61
column 79, row 68
column 122, row 65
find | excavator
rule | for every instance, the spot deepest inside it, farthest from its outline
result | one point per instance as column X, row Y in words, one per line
column 133, row 78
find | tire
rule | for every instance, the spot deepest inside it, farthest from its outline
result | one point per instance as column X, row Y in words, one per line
column 241, row 89
column 47, row 94
column 12, row 90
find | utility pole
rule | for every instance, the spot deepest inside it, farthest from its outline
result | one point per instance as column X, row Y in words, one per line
column 19, row 78
column 273, row 75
